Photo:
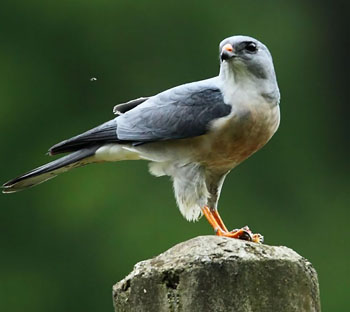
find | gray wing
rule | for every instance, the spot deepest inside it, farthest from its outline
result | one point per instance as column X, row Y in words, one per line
column 181, row 112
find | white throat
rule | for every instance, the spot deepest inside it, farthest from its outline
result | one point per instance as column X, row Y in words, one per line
column 241, row 83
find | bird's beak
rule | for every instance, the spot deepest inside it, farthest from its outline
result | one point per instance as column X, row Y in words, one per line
column 227, row 52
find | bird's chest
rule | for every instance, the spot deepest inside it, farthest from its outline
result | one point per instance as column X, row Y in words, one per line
column 246, row 130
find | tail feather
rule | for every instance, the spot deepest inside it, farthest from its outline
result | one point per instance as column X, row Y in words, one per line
column 49, row 171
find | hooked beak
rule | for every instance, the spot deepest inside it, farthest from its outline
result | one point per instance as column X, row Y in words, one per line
column 227, row 52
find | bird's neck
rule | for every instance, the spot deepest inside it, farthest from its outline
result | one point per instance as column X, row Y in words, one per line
column 241, row 80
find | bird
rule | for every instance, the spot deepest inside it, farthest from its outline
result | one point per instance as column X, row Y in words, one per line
column 195, row 133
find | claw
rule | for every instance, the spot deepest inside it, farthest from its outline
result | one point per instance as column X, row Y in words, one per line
column 257, row 238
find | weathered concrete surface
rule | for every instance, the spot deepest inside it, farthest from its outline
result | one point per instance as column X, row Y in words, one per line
column 211, row 273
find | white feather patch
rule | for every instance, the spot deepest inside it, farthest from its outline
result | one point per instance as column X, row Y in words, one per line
column 115, row 152
column 190, row 190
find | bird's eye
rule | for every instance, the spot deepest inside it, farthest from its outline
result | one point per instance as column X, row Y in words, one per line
column 251, row 47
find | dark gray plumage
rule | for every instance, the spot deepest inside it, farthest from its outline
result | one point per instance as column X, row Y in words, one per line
column 103, row 134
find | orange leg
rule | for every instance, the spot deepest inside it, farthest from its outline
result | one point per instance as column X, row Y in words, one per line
column 218, row 219
column 220, row 229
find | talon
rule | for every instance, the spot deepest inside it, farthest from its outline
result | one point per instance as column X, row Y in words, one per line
column 257, row 238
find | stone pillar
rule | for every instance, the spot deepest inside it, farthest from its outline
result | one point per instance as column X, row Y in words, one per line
column 211, row 273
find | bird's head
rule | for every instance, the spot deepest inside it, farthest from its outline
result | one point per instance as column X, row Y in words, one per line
column 246, row 56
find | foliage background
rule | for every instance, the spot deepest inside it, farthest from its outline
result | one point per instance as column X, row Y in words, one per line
column 63, row 244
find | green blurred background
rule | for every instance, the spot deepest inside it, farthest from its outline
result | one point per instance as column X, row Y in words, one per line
column 65, row 243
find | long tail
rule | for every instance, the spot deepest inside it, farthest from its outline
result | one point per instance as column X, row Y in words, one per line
column 50, row 170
